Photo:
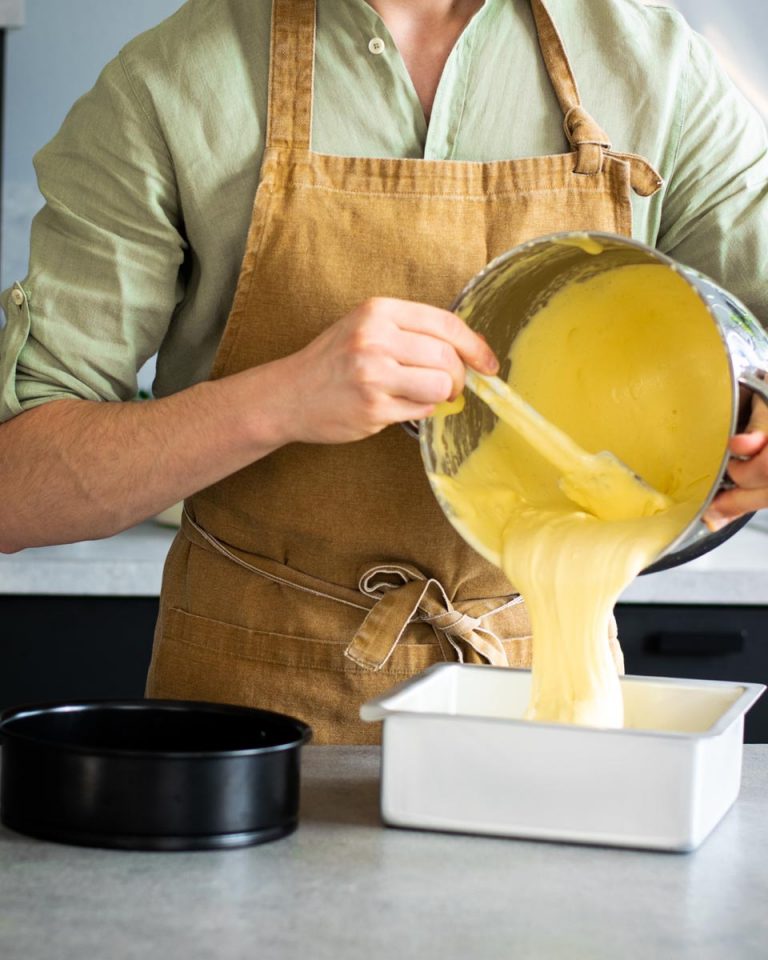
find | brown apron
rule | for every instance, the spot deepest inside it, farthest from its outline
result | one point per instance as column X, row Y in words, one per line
column 320, row 576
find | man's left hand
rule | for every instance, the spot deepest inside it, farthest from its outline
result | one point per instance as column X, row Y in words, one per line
column 748, row 468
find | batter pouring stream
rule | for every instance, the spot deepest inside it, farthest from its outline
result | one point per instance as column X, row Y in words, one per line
column 628, row 361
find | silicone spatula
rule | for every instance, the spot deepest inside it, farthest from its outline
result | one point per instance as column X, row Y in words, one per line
column 598, row 482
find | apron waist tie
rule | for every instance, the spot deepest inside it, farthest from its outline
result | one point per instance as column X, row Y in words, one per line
column 403, row 595
column 393, row 595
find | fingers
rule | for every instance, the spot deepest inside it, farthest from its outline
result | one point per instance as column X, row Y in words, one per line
column 732, row 504
column 384, row 362
column 403, row 410
column 443, row 325
column 754, row 438
column 418, row 350
column 758, row 421
column 747, row 444
column 750, row 473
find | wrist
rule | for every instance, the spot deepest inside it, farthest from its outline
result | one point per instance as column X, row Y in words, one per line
column 263, row 407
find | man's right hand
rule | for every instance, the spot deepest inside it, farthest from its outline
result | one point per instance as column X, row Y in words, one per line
column 385, row 362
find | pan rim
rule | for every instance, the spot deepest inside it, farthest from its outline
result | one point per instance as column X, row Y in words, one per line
column 302, row 732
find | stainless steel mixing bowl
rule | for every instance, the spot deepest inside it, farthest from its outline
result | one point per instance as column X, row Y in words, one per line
column 500, row 300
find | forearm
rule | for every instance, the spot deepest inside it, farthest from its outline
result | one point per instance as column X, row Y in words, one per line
column 74, row 470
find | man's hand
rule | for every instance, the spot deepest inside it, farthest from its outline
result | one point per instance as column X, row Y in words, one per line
column 385, row 362
column 748, row 468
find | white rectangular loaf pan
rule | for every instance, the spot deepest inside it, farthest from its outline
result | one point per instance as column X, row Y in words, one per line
column 458, row 756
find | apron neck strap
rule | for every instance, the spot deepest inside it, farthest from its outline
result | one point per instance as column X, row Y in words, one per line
column 555, row 59
column 291, row 72
column 291, row 68
column 586, row 136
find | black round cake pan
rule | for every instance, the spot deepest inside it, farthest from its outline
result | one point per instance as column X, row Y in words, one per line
column 150, row 774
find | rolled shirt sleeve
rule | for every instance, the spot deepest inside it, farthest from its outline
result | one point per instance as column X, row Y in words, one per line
column 106, row 253
column 715, row 213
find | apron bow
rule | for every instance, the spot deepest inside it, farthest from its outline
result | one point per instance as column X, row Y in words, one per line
column 403, row 596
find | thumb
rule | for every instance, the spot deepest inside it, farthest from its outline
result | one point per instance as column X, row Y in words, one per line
column 758, row 420
column 753, row 438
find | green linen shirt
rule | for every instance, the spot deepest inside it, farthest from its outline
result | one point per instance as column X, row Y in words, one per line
column 149, row 184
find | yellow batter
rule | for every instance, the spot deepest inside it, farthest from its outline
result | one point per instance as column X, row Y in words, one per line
column 627, row 361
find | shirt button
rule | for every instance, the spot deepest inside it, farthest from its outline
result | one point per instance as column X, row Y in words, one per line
column 17, row 295
column 377, row 45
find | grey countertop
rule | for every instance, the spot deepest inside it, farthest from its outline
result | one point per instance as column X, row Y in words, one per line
column 126, row 565
column 344, row 887
column 131, row 564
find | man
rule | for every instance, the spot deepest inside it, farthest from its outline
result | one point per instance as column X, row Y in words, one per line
column 314, row 567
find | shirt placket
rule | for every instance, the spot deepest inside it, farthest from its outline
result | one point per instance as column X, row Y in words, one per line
column 440, row 135
column 451, row 95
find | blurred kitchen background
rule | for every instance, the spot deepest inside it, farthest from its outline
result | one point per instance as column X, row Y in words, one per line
column 77, row 620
